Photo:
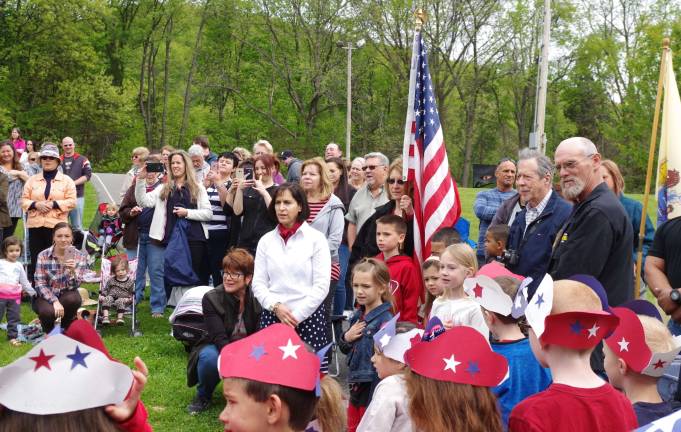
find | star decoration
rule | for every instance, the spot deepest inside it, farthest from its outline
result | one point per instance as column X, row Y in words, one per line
column 592, row 331
column 540, row 299
column 41, row 360
column 385, row 340
column 473, row 368
column 289, row 350
column 416, row 339
column 576, row 327
column 624, row 344
column 78, row 358
column 257, row 352
column 477, row 290
column 659, row 364
column 451, row 363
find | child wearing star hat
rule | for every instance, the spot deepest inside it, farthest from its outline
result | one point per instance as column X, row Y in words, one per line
column 269, row 382
column 494, row 288
column 567, row 321
column 636, row 356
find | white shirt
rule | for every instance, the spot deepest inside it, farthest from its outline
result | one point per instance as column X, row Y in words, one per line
column 388, row 410
column 461, row 312
column 295, row 273
column 12, row 273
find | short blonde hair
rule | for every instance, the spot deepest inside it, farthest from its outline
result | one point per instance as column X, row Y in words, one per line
column 658, row 337
column 142, row 152
column 509, row 285
column 325, row 184
column 264, row 143
column 573, row 296
column 463, row 255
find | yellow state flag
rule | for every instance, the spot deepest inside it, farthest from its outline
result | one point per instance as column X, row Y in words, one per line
column 669, row 161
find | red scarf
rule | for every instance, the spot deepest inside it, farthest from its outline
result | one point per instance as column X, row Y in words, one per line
column 286, row 233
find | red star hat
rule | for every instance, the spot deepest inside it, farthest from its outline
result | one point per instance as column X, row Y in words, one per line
column 460, row 355
column 274, row 355
column 574, row 330
column 629, row 342
column 496, row 269
column 56, row 377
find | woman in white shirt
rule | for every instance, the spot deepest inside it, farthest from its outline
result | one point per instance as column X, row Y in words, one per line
column 292, row 267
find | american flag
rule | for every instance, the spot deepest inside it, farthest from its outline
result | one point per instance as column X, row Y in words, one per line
column 436, row 197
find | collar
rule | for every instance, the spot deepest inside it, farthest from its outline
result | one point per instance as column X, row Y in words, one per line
column 385, row 306
column 76, row 155
column 597, row 192
column 542, row 203
column 287, row 233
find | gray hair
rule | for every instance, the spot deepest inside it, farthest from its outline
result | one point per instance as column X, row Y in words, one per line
column 360, row 160
column 195, row 150
column 544, row 164
column 585, row 145
column 265, row 144
column 378, row 155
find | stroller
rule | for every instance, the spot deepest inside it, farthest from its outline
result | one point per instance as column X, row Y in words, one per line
column 100, row 245
column 105, row 276
column 187, row 318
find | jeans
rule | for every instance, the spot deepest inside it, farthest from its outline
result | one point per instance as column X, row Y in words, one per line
column 150, row 259
column 340, row 293
column 217, row 248
column 13, row 317
column 76, row 215
column 207, row 370
column 131, row 253
column 674, row 327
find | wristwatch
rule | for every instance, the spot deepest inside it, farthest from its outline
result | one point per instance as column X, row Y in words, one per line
column 675, row 295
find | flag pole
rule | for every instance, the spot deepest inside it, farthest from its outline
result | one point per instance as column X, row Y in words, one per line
column 649, row 172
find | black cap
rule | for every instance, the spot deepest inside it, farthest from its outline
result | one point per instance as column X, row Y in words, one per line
column 285, row 154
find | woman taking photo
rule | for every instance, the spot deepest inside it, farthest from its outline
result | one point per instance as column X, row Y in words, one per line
column 231, row 313
column 47, row 199
column 139, row 155
column 292, row 268
column 181, row 197
column 217, row 182
column 251, row 200
column 17, row 176
column 59, row 271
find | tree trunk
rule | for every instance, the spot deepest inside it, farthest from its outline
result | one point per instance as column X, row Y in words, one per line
column 166, row 80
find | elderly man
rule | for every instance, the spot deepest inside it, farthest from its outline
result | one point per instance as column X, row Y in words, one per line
column 597, row 238
column 208, row 155
column 78, row 168
column 294, row 165
column 201, row 167
column 534, row 229
column 369, row 196
column 332, row 151
column 663, row 270
column 488, row 202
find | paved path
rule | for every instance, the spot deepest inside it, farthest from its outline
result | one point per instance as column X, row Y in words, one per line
column 108, row 186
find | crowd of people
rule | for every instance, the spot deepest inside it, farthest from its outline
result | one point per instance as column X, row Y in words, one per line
column 534, row 329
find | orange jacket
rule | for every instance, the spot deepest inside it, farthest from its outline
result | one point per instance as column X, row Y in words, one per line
column 63, row 191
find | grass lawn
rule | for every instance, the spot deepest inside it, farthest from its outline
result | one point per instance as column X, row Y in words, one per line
column 166, row 394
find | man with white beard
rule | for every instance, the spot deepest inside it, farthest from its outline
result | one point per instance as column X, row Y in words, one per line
column 597, row 237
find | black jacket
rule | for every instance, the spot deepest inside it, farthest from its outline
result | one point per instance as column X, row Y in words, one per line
column 597, row 241
column 220, row 313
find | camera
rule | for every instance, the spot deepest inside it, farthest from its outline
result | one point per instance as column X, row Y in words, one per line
column 155, row 167
column 510, row 257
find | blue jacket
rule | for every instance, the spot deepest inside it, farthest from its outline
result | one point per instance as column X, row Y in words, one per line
column 634, row 209
column 535, row 246
column 359, row 352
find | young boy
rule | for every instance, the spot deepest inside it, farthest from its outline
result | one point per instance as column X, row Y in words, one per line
column 495, row 294
column 443, row 238
column 269, row 382
column 567, row 321
column 636, row 355
column 495, row 241
column 406, row 283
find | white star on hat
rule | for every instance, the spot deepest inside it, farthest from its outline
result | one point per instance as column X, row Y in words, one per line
column 451, row 363
column 593, row 330
column 385, row 340
column 624, row 344
column 289, row 350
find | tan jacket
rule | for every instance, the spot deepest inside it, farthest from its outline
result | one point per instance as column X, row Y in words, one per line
column 63, row 191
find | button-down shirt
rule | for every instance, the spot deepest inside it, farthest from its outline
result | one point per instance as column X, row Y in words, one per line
column 363, row 205
column 51, row 276
column 533, row 213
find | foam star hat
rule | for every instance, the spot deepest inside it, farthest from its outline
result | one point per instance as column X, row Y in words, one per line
column 460, row 355
column 392, row 344
column 628, row 341
column 521, row 298
column 56, row 377
column 274, row 355
column 574, row 330
column 488, row 293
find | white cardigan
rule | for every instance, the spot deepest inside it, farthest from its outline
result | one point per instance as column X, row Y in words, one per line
column 202, row 213
column 295, row 273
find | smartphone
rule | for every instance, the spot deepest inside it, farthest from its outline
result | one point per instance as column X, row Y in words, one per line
column 214, row 167
column 156, row 167
column 248, row 173
column 70, row 253
column 240, row 173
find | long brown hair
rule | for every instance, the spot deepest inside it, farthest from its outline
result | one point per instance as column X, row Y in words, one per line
column 189, row 177
column 15, row 156
column 93, row 419
column 380, row 275
column 459, row 407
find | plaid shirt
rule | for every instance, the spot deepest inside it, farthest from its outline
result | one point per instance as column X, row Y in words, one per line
column 50, row 278
column 532, row 213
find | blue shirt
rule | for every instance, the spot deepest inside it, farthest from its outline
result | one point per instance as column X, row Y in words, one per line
column 525, row 375
column 486, row 205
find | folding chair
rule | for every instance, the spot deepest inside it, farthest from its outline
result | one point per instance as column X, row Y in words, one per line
column 336, row 320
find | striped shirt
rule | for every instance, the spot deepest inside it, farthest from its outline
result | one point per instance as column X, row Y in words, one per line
column 315, row 208
column 219, row 220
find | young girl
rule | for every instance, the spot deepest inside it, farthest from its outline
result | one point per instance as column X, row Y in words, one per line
column 371, row 285
column 454, row 307
column 430, row 271
column 12, row 280
column 110, row 226
column 118, row 290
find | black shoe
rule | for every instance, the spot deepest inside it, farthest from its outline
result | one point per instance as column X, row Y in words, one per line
column 199, row 404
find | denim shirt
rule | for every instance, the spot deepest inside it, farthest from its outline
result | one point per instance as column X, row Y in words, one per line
column 360, row 351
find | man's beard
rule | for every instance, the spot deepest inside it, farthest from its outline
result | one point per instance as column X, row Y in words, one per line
column 572, row 192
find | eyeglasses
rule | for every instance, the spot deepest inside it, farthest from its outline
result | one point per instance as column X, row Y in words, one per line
column 396, row 181
column 569, row 165
column 232, row 276
column 370, row 167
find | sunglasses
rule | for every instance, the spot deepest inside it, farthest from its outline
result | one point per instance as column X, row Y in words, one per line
column 370, row 167
column 47, row 158
column 396, row 181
